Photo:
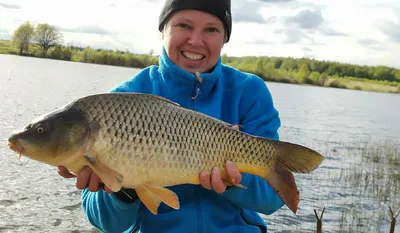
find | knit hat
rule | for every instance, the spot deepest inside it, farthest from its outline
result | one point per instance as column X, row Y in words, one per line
column 219, row 8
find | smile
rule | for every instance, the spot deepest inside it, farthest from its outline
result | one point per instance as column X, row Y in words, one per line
column 192, row 56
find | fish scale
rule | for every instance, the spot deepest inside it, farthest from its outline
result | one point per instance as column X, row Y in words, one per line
column 185, row 141
column 147, row 142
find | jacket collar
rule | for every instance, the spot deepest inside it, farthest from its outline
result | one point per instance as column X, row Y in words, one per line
column 184, row 83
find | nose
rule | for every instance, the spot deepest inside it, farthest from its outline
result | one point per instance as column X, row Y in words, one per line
column 12, row 139
column 13, row 142
column 196, row 39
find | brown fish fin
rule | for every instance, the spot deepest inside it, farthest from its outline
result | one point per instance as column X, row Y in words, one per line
column 227, row 179
column 110, row 177
column 164, row 99
column 284, row 184
column 296, row 158
column 152, row 196
column 148, row 199
column 167, row 196
column 231, row 183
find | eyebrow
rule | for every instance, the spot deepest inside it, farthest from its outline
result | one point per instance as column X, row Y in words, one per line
column 184, row 19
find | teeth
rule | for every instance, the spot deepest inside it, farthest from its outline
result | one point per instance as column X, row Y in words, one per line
column 192, row 56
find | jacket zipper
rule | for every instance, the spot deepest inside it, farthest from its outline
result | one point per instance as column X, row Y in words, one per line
column 198, row 82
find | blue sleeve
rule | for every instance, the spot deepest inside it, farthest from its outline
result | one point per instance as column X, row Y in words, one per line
column 108, row 213
column 258, row 117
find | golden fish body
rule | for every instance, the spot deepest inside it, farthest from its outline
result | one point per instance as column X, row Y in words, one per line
column 147, row 142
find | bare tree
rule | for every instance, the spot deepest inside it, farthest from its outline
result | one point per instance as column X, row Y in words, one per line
column 47, row 36
column 23, row 35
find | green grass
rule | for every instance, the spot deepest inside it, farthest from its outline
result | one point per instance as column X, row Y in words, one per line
column 375, row 177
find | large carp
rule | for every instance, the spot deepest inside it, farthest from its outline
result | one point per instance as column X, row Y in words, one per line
column 147, row 142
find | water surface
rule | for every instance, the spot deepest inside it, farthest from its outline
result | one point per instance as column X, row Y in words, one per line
column 334, row 121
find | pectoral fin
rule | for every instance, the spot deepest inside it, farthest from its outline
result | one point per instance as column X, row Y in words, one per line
column 228, row 180
column 152, row 196
column 232, row 183
column 110, row 177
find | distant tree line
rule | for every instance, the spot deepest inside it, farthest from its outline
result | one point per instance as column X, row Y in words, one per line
column 304, row 70
column 44, row 40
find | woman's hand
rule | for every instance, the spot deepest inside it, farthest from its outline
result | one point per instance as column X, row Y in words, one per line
column 215, row 181
column 86, row 178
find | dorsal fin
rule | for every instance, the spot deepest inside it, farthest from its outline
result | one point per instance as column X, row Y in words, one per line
column 164, row 99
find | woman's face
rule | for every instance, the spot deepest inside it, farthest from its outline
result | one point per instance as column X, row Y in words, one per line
column 193, row 40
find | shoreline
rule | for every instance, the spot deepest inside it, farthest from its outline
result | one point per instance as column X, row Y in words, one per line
column 264, row 67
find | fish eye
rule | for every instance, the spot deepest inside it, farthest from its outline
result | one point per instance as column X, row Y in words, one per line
column 39, row 129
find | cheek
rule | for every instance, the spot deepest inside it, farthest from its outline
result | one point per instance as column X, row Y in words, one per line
column 39, row 150
column 214, row 46
column 174, row 40
column 46, row 143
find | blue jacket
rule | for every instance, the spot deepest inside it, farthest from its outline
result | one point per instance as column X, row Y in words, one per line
column 225, row 93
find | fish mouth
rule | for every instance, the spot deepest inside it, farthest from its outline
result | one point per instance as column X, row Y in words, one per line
column 16, row 146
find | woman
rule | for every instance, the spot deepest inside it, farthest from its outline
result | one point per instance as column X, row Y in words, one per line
column 190, row 73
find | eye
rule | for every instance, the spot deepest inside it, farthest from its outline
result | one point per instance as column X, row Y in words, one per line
column 39, row 129
column 212, row 30
column 183, row 25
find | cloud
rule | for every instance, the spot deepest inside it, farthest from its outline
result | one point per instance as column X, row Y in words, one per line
column 10, row 6
column 274, row 1
column 259, row 41
column 88, row 30
column 271, row 20
column 373, row 44
column 305, row 25
column 389, row 29
column 368, row 42
column 294, row 36
column 289, row 4
column 240, row 11
column 306, row 19
column 331, row 32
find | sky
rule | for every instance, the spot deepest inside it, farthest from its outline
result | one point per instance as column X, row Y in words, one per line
column 349, row 31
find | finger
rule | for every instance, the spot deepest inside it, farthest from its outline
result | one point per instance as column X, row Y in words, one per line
column 236, row 127
column 233, row 172
column 94, row 182
column 217, row 182
column 83, row 177
column 62, row 171
column 205, row 180
column 107, row 189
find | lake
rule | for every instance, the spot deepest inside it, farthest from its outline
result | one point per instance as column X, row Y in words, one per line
column 348, row 127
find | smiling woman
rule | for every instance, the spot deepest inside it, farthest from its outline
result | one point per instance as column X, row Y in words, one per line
column 194, row 45
column 191, row 73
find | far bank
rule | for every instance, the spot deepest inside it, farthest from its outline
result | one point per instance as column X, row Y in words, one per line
column 302, row 71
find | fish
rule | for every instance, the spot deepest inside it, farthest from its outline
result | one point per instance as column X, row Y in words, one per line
column 149, row 143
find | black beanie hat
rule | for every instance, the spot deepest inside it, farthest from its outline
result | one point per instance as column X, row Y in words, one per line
column 219, row 8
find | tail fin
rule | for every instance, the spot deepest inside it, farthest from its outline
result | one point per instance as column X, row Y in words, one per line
column 291, row 158
column 285, row 186
column 296, row 158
